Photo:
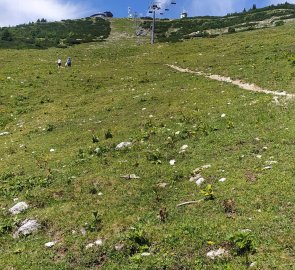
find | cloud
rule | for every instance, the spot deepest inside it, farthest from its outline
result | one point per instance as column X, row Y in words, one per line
column 280, row 2
column 164, row 3
column 13, row 12
column 216, row 7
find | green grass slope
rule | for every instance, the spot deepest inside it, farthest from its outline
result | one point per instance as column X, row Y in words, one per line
column 60, row 128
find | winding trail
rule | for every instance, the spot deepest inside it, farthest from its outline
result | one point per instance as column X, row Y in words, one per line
column 239, row 83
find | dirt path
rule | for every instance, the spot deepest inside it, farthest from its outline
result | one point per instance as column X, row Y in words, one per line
column 241, row 84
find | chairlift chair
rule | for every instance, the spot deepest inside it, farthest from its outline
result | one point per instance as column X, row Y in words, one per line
column 173, row 2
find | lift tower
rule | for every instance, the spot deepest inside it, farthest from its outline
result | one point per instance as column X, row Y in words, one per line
column 153, row 8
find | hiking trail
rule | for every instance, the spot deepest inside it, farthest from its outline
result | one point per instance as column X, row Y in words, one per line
column 239, row 83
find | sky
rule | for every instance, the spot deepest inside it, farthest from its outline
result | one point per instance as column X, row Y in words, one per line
column 13, row 12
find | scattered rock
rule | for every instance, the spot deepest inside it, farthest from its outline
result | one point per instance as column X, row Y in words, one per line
column 206, row 166
column 223, row 115
column 183, row 148
column 252, row 264
column 222, row 179
column 91, row 245
column 119, row 246
column 18, row 208
column 27, row 227
column 213, row 254
column 270, row 162
column 96, row 243
column 4, row 133
column 83, row 231
column 145, row 254
column 246, row 231
column 172, row 162
column 123, row 145
column 162, row 185
column 130, row 176
column 52, row 150
column 97, row 150
column 50, row 244
column 198, row 179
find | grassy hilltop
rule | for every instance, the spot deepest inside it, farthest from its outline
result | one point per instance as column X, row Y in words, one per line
column 59, row 129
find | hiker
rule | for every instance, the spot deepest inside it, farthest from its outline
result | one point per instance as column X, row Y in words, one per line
column 58, row 63
column 69, row 62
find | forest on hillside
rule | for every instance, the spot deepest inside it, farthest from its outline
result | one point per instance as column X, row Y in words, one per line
column 42, row 34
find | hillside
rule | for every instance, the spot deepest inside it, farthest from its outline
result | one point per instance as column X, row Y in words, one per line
column 186, row 28
column 54, row 34
column 105, row 153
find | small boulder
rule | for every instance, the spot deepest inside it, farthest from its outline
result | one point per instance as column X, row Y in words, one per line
column 123, row 145
column 172, row 162
column 18, row 208
column 27, row 227
column 219, row 253
column 162, row 185
column 130, row 176
column 98, row 242
column 50, row 244
column 183, row 148
column 198, row 179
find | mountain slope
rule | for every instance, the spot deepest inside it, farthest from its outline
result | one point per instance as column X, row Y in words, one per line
column 59, row 135
column 176, row 30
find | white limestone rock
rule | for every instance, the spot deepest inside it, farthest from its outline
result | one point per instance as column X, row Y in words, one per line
column 27, row 227
column 123, row 145
column 219, row 253
column 18, row 208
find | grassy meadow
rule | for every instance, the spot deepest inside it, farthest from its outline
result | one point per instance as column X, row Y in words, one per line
column 60, row 157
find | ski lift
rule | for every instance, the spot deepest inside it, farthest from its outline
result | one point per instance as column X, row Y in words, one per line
column 166, row 9
column 173, row 2
column 161, row 13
